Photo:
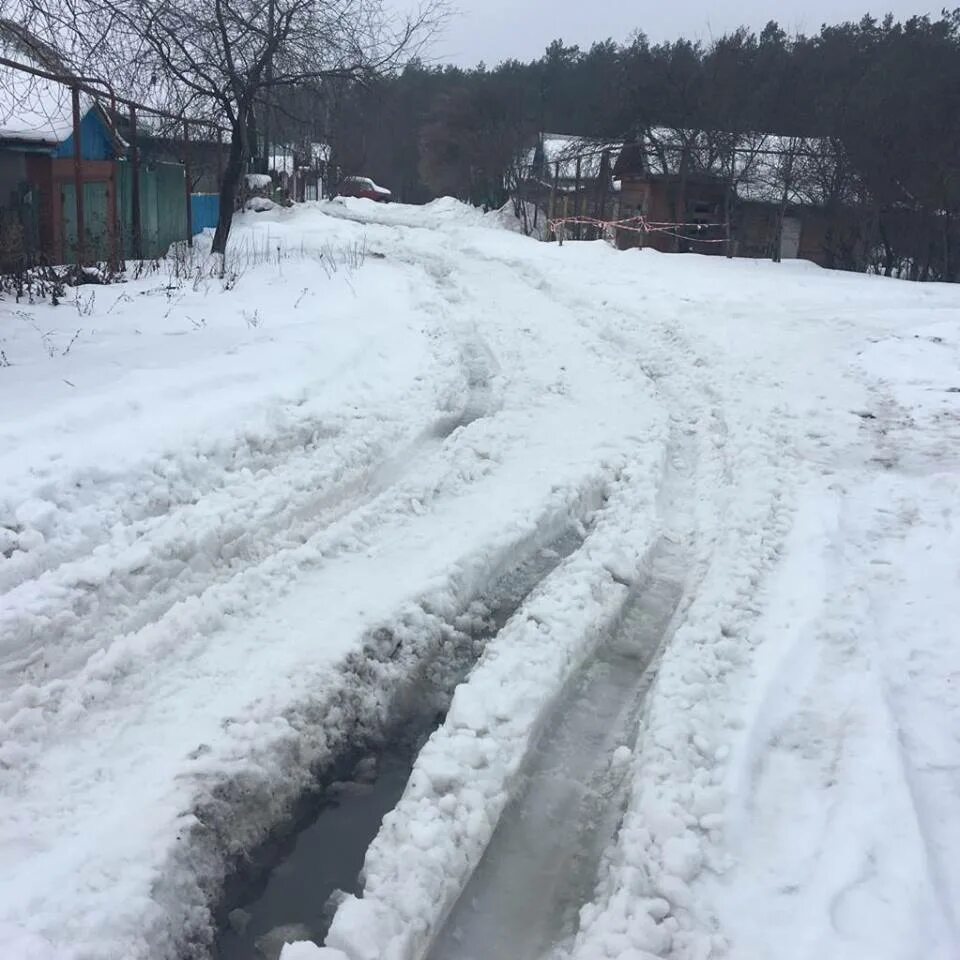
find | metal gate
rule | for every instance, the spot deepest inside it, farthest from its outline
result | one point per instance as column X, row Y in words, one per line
column 790, row 238
column 163, row 215
column 96, row 220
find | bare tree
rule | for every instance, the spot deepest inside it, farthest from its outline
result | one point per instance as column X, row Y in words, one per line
column 230, row 60
column 734, row 155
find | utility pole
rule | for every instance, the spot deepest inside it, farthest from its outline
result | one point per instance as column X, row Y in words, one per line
column 268, row 109
column 78, row 178
column 187, row 182
column 135, row 187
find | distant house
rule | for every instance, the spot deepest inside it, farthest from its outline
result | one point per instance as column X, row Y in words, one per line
column 702, row 191
column 680, row 190
column 35, row 117
column 38, row 203
column 302, row 170
column 568, row 176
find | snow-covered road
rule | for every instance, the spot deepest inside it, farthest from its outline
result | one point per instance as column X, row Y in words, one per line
column 240, row 520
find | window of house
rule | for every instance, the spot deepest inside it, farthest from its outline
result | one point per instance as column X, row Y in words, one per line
column 701, row 211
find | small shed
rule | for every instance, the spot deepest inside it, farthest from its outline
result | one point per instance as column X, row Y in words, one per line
column 100, row 151
column 38, row 204
column 40, row 163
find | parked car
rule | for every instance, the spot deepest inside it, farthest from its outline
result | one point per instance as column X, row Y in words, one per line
column 363, row 187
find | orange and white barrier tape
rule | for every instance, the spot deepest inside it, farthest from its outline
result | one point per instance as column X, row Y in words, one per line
column 636, row 225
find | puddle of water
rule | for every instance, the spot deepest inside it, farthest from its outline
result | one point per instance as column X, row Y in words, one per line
column 541, row 864
column 327, row 854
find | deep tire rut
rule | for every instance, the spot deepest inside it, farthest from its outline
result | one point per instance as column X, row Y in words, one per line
column 418, row 703
column 541, row 865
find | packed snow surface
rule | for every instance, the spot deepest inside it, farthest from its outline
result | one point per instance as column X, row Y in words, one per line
column 239, row 508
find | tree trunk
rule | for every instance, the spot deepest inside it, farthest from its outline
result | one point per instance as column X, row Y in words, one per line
column 232, row 172
column 887, row 252
column 778, row 226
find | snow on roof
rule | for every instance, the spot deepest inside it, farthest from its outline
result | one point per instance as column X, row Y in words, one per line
column 33, row 108
column 762, row 162
column 282, row 162
column 285, row 157
column 565, row 149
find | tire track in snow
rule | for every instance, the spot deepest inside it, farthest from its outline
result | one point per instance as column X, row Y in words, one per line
column 541, row 864
column 742, row 512
column 69, row 619
column 51, row 625
column 241, row 795
column 418, row 709
column 432, row 841
column 137, row 499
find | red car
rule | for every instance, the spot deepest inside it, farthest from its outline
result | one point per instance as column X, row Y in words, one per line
column 363, row 187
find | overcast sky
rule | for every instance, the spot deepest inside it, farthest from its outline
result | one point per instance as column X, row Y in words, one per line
column 495, row 30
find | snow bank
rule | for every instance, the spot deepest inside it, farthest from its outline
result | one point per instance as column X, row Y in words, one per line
column 305, row 950
column 258, row 181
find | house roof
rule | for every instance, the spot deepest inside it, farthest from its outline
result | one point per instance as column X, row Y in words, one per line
column 33, row 109
column 565, row 149
column 283, row 156
column 759, row 160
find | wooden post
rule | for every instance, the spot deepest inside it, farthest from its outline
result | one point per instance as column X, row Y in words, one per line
column 576, row 194
column 135, row 219
column 187, row 186
column 78, row 177
column 115, row 206
column 602, row 186
column 553, row 191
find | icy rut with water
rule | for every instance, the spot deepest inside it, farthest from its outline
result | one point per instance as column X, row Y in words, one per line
column 541, row 864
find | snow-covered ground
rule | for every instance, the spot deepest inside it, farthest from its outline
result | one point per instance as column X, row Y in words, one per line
column 238, row 516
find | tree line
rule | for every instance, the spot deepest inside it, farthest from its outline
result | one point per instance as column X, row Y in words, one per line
column 881, row 98
column 870, row 111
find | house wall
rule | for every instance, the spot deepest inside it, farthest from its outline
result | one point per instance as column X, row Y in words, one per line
column 757, row 227
column 658, row 200
column 25, row 202
column 13, row 172
column 15, row 216
column 39, row 174
column 38, row 202
column 96, row 140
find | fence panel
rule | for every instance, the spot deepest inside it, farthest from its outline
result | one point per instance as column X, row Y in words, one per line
column 96, row 207
column 204, row 211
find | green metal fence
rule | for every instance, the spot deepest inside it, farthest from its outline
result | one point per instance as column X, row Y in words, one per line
column 163, row 213
column 96, row 220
